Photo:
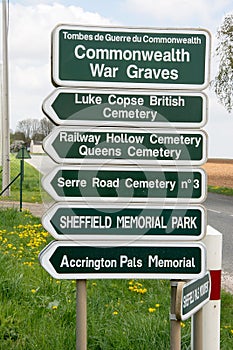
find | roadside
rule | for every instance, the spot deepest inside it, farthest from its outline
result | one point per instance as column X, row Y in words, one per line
column 39, row 209
column 35, row 208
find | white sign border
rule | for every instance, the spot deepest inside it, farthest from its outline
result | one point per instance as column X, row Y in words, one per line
column 46, row 221
column 50, row 112
column 55, row 57
column 46, row 253
column 50, row 150
column 46, row 183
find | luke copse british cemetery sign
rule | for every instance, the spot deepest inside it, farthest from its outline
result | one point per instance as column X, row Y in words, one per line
column 142, row 108
column 130, row 57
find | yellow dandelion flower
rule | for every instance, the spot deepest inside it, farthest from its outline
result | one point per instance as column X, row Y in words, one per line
column 115, row 313
column 157, row 305
column 54, row 307
column 33, row 290
column 182, row 324
column 151, row 309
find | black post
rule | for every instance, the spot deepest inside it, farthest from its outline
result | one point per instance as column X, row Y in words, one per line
column 21, row 180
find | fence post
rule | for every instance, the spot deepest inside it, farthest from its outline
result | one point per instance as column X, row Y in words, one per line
column 206, row 322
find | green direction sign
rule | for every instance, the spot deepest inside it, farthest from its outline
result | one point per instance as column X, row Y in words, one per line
column 130, row 57
column 69, row 260
column 138, row 108
column 194, row 295
column 71, row 221
column 126, row 184
column 23, row 154
column 98, row 145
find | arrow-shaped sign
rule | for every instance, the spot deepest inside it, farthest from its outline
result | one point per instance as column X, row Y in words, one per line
column 145, row 147
column 94, row 107
column 70, row 260
column 126, row 184
column 82, row 221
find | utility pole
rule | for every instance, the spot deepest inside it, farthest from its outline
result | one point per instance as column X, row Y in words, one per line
column 1, row 133
column 5, row 103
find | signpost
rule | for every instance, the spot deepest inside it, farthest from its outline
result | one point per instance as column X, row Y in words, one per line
column 76, row 221
column 145, row 147
column 126, row 184
column 93, row 107
column 194, row 295
column 114, row 80
column 130, row 57
column 70, row 260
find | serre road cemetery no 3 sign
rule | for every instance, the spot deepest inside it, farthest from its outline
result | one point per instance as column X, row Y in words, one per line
column 126, row 184
column 123, row 57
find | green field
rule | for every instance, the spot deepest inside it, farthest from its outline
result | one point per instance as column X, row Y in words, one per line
column 38, row 312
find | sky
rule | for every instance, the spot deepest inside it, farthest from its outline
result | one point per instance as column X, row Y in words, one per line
column 29, row 39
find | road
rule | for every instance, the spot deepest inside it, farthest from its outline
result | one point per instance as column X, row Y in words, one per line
column 219, row 209
column 220, row 216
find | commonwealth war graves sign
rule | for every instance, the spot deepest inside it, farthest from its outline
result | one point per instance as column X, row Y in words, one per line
column 130, row 57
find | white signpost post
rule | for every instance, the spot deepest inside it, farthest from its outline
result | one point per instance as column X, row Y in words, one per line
column 115, row 161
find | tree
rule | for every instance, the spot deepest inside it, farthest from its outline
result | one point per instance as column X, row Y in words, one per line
column 29, row 127
column 34, row 128
column 223, row 82
column 46, row 126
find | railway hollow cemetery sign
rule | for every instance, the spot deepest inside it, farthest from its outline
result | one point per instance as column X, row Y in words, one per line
column 145, row 147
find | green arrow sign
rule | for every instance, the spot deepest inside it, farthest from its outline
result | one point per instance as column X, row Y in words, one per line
column 96, row 145
column 128, row 57
column 128, row 183
column 83, row 222
column 68, row 260
column 194, row 295
column 137, row 108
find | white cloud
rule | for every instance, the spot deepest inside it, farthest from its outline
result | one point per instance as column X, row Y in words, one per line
column 30, row 30
column 180, row 12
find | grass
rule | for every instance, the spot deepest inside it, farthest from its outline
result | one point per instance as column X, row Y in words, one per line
column 221, row 190
column 38, row 312
column 32, row 190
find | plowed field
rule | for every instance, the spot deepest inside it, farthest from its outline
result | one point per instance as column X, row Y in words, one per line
column 220, row 172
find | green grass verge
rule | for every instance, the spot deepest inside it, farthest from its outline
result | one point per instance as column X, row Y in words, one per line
column 221, row 190
column 32, row 190
column 38, row 312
